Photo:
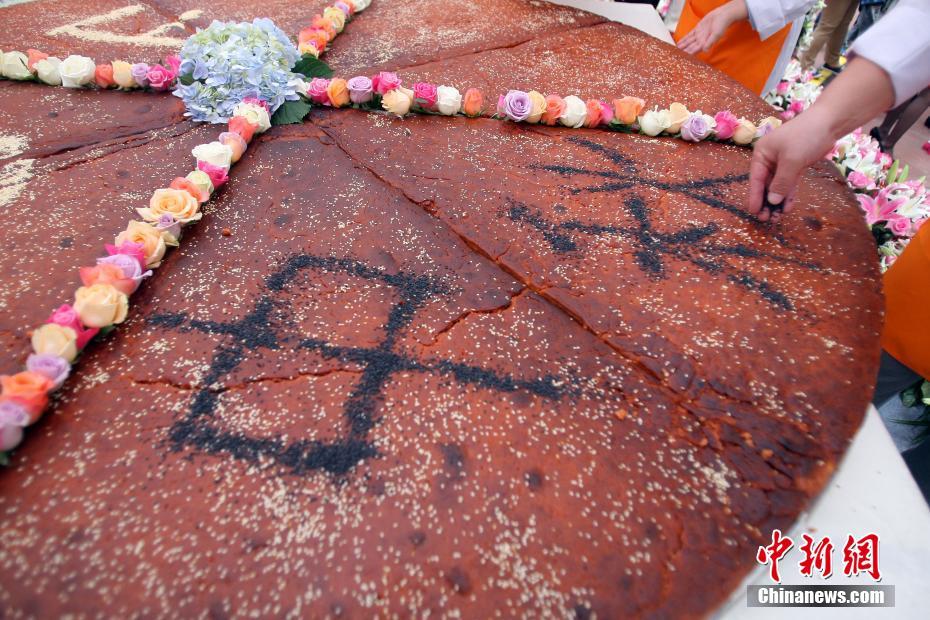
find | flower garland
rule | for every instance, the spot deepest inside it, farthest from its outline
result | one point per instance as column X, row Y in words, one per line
column 385, row 91
column 103, row 300
column 82, row 72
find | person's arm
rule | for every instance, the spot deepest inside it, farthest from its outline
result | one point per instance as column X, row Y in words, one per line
column 766, row 16
column 861, row 92
column 891, row 63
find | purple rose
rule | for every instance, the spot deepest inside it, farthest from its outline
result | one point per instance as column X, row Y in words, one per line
column 128, row 264
column 342, row 6
column 10, row 436
column 140, row 73
column 51, row 366
column 517, row 105
column 167, row 223
column 13, row 414
column 696, row 128
column 360, row 89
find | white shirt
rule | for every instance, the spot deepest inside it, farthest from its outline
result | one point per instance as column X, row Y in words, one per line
column 899, row 43
column 769, row 16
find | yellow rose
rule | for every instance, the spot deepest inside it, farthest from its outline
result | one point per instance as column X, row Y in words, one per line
column 538, row 106
column 398, row 101
column 202, row 180
column 154, row 242
column 336, row 17
column 122, row 74
column 744, row 133
column 54, row 339
column 678, row 114
column 101, row 305
column 177, row 203
column 309, row 48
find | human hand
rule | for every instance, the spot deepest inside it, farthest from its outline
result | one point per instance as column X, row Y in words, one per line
column 709, row 30
column 779, row 159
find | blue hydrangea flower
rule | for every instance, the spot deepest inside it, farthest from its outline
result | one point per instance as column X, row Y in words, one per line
column 232, row 60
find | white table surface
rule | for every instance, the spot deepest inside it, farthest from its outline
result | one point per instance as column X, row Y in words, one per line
column 640, row 16
column 872, row 491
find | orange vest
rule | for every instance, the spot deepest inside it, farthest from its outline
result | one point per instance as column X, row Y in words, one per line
column 907, row 305
column 739, row 53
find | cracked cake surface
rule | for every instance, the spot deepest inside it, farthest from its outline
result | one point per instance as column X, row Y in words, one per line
column 446, row 366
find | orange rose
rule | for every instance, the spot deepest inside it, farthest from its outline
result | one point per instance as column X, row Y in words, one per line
column 593, row 117
column 338, row 91
column 190, row 188
column 109, row 274
column 627, row 109
column 555, row 106
column 313, row 36
column 27, row 389
column 321, row 23
column 34, row 57
column 103, row 76
column 473, row 102
column 242, row 126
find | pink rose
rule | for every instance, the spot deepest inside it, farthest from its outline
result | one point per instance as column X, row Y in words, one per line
column 858, row 179
column 218, row 174
column 899, row 225
column 174, row 63
column 385, row 82
column 160, row 78
column 66, row 316
column 607, row 113
column 317, row 91
column 797, row 106
column 258, row 102
column 726, row 124
column 782, row 88
column 425, row 95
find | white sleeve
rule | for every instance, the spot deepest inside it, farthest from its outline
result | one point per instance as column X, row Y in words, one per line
column 899, row 43
column 769, row 16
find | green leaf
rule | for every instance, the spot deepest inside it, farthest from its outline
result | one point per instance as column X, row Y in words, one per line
column 311, row 66
column 909, row 397
column 291, row 113
column 4, row 459
column 187, row 79
column 893, row 171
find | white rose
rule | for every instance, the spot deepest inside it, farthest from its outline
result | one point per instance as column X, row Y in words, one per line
column 77, row 71
column 576, row 111
column 448, row 100
column 255, row 114
column 300, row 86
column 361, row 5
column 47, row 69
column 654, row 122
column 14, row 66
column 215, row 153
